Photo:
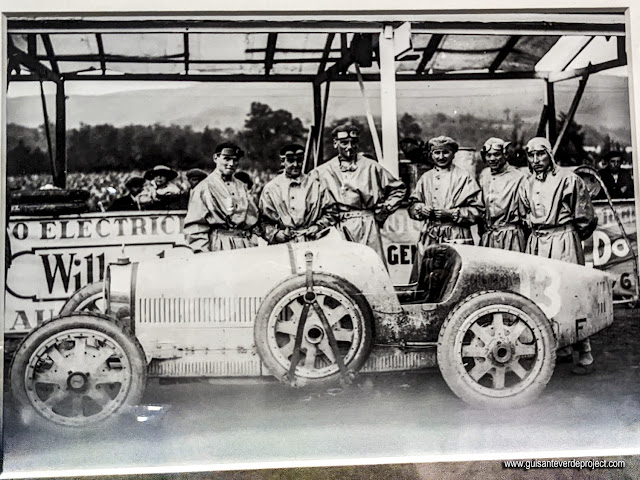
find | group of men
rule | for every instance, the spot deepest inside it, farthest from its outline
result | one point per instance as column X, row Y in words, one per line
column 352, row 192
column 546, row 211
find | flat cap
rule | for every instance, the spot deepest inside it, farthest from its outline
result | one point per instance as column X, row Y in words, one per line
column 443, row 142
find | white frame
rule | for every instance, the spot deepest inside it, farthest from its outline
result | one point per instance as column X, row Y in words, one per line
column 336, row 8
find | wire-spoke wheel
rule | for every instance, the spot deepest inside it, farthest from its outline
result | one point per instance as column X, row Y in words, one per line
column 496, row 349
column 76, row 372
column 347, row 312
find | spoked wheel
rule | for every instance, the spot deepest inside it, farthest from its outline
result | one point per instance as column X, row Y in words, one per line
column 89, row 298
column 496, row 349
column 276, row 328
column 77, row 372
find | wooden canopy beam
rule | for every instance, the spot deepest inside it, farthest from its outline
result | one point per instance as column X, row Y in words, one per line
column 326, row 52
column 51, row 56
column 504, row 52
column 103, row 63
column 272, row 39
column 40, row 71
column 338, row 69
column 315, row 25
column 185, row 40
column 575, row 55
column 572, row 112
column 429, row 51
column 286, row 78
column 580, row 72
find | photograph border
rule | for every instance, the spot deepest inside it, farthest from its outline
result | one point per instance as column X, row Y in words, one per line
column 329, row 8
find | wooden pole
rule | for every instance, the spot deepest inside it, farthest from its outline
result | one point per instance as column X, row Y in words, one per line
column 551, row 113
column 60, row 178
column 571, row 113
column 388, row 101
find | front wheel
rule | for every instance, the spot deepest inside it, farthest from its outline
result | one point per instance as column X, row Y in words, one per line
column 77, row 372
column 496, row 349
column 347, row 312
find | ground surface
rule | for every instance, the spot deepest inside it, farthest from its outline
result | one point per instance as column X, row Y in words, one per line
column 407, row 417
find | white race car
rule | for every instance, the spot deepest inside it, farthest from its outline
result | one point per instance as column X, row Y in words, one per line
column 308, row 314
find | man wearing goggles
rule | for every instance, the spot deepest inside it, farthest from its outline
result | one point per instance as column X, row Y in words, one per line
column 294, row 205
column 504, row 220
column 221, row 213
column 364, row 191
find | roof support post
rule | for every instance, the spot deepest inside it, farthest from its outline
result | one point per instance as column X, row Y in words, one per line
column 542, row 124
column 315, row 130
column 323, row 119
column 60, row 166
column 388, row 106
column 317, row 105
column 551, row 112
column 571, row 113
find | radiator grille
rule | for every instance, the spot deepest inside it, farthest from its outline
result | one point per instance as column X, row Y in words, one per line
column 234, row 310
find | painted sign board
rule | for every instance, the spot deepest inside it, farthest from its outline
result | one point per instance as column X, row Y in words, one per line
column 53, row 257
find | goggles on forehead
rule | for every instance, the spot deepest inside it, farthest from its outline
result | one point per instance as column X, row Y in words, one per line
column 495, row 146
column 349, row 134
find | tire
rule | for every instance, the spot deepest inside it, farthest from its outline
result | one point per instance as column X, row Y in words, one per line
column 483, row 363
column 276, row 323
column 89, row 298
column 76, row 373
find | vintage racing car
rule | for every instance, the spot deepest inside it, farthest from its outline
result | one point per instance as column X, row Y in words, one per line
column 308, row 314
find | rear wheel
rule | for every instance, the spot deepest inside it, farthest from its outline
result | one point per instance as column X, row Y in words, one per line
column 496, row 349
column 77, row 372
column 348, row 313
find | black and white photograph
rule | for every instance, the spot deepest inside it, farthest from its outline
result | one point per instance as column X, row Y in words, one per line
column 239, row 241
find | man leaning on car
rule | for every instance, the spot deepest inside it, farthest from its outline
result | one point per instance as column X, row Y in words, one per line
column 221, row 213
column 294, row 206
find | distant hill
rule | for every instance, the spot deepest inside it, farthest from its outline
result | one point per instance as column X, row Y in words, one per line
column 604, row 107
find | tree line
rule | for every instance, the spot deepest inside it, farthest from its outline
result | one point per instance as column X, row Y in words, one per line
column 93, row 148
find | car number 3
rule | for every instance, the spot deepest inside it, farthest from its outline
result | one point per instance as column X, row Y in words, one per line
column 543, row 287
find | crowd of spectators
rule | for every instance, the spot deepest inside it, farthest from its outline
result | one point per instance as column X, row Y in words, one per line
column 105, row 187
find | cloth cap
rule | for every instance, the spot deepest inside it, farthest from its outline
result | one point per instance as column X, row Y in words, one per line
column 229, row 148
column 538, row 143
column 345, row 130
column 134, row 181
column 197, row 173
column 161, row 170
column 443, row 142
column 291, row 148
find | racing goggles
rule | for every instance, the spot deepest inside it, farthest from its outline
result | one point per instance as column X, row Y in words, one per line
column 349, row 134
